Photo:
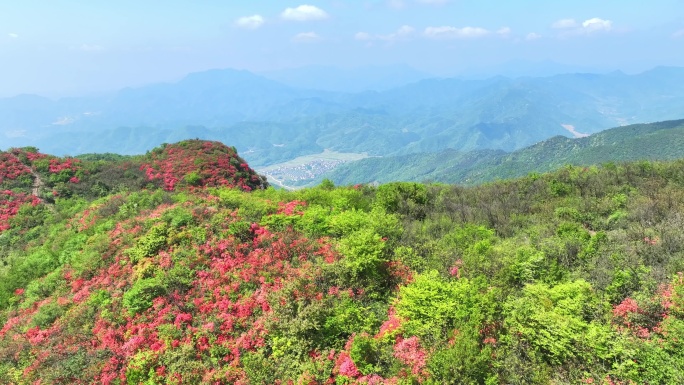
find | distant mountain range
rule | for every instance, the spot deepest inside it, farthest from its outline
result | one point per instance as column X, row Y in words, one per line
column 654, row 141
column 328, row 78
column 271, row 122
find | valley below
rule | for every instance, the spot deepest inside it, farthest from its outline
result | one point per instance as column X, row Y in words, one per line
column 306, row 169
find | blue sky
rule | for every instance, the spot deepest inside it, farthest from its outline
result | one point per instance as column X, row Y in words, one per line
column 68, row 47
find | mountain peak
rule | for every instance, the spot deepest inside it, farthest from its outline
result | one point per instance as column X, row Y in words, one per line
column 200, row 163
column 28, row 176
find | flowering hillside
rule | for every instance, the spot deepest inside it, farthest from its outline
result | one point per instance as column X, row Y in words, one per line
column 570, row 277
column 191, row 164
column 10, row 203
column 202, row 164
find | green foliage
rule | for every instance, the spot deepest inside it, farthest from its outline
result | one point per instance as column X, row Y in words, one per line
column 42, row 288
column 348, row 317
column 435, row 307
column 259, row 368
column 150, row 244
column 90, row 257
column 24, row 270
column 139, row 297
column 554, row 320
column 365, row 353
column 254, row 208
column 559, row 189
column 464, row 361
column 193, row 178
column 100, row 299
column 624, row 283
column 326, row 184
column 527, row 266
column 364, row 252
column 47, row 314
column 403, row 198
column 568, row 277
column 178, row 217
column 410, row 258
column 179, row 278
column 472, row 245
column 568, row 213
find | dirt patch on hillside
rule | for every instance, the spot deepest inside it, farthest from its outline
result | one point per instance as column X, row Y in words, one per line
column 574, row 133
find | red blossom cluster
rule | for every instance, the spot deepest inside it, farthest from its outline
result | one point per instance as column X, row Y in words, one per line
column 11, row 167
column 391, row 326
column 455, row 270
column 86, row 220
column 10, row 202
column 235, row 287
column 410, row 353
column 347, row 367
column 645, row 320
column 200, row 164
column 290, row 208
column 407, row 350
column 627, row 315
column 625, row 308
column 34, row 156
column 70, row 164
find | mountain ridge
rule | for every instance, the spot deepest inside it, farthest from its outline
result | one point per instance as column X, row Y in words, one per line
column 271, row 123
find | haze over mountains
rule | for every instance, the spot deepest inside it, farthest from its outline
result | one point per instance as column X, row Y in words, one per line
column 270, row 122
column 329, row 78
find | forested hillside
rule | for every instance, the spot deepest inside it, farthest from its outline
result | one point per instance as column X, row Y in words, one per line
column 652, row 141
column 190, row 270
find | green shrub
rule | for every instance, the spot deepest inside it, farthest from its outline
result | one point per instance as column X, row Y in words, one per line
column 193, row 178
column 47, row 314
column 149, row 244
column 140, row 296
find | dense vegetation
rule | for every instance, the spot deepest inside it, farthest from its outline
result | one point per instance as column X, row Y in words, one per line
column 652, row 141
column 568, row 277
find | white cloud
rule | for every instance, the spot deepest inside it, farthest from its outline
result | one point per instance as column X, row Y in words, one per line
column 396, row 4
column 565, row 24
column 404, row 32
column 596, row 24
column 532, row 36
column 504, row 31
column 363, row 36
column 250, row 22
column 570, row 27
column 13, row 35
column 678, row 34
column 304, row 12
column 447, row 32
column 306, row 37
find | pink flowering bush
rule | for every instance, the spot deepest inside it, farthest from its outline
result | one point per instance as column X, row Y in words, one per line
column 196, row 163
